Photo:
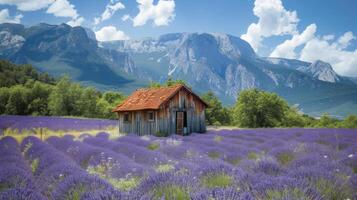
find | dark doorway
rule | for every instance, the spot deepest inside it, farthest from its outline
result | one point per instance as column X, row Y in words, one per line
column 180, row 122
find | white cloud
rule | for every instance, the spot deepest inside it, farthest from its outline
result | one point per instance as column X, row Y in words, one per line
column 287, row 48
column 28, row 5
column 5, row 17
column 125, row 17
column 345, row 40
column 110, row 33
column 76, row 21
column 109, row 11
column 274, row 19
column 59, row 8
column 162, row 13
column 62, row 8
column 343, row 62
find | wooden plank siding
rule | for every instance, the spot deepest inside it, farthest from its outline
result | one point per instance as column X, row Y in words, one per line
column 165, row 116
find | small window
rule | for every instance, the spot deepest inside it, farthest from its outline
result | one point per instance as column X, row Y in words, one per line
column 126, row 117
column 151, row 116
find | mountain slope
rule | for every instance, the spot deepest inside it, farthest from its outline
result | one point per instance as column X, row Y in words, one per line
column 226, row 65
column 222, row 63
column 61, row 49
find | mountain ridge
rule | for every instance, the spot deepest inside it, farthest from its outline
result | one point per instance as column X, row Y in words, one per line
column 218, row 62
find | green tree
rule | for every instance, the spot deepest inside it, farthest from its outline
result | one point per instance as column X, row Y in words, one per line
column 169, row 82
column 64, row 99
column 4, row 97
column 40, row 93
column 113, row 98
column 349, row 122
column 18, row 101
column 88, row 102
column 216, row 114
column 255, row 108
column 326, row 121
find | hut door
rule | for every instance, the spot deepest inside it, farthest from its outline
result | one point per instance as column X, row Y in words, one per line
column 137, row 123
column 179, row 122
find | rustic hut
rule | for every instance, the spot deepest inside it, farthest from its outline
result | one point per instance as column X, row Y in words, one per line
column 165, row 110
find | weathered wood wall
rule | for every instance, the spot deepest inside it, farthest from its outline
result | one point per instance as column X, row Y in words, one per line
column 165, row 117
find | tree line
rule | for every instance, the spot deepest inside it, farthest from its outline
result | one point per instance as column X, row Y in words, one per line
column 25, row 91
column 256, row 108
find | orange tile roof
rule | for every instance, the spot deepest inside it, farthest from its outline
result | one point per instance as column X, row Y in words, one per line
column 150, row 98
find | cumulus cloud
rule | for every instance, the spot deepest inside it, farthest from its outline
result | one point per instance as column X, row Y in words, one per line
column 109, row 11
column 27, row 5
column 110, row 33
column 125, row 17
column 344, row 62
column 6, row 18
column 76, row 21
column 274, row 19
column 287, row 48
column 162, row 13
column 59, row 8
column 62, row 8
column 345, row 40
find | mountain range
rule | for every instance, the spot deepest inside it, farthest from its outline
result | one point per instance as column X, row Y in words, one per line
column 222, row 63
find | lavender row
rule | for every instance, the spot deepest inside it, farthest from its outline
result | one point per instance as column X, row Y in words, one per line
column 54, row 123
column 58, row 175
column 16, row 179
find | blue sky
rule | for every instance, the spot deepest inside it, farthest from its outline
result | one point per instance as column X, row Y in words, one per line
column 305, row 26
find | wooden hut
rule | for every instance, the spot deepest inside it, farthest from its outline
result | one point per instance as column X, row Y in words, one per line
column 165, row 110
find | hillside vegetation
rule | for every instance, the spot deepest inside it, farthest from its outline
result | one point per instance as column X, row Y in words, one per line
column 25, row 91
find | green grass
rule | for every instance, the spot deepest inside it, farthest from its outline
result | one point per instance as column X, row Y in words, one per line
column 252, row 156
column 34, row 165
column 294, row 193
column 234, row 161
column 153, row 146
column 46, row 133
column 164, row 168
column 75, row 193
column 332, row 190
column 285, row 158
column 218, row 138
column 124, row 184
column 214, row 154
column 170, row 191
column 216, row 180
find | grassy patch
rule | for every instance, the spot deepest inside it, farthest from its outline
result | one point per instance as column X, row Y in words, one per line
column 333, row 191
column 214, row 154
column 46, row 133
column 169, row 192
column 234, row 161
column 75, row 193
column 252, row 156
column 285, row 158
column 164, row 168
column 216, row 180
column 153, row 146
column 34, row 165
column 294, row 193
column 218, row 138
column 124, row 184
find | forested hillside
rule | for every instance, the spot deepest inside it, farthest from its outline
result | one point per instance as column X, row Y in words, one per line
column 25, row 91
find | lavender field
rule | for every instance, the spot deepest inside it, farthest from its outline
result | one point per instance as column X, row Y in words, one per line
column 25, row 123
column 228, row 164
